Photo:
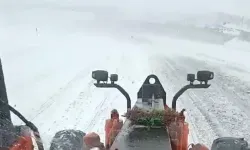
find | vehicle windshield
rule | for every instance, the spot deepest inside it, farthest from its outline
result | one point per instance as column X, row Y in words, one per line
column 49, row 49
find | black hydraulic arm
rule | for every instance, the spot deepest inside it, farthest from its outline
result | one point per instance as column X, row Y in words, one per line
column 113, row 85
column 20, row 116
column 5, row 108
column 186, row 87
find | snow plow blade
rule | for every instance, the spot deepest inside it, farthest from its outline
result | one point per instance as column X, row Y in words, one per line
column 140, row 138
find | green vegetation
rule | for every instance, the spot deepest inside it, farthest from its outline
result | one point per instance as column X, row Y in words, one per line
column 159, row 118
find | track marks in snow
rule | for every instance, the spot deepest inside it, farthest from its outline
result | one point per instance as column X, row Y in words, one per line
column 57, row 96
column 174, row 78
column 229, row 100
column 220, row 110
column 101, row 109
column 197, row 98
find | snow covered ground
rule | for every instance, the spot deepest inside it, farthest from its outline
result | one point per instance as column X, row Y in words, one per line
column 49, row 48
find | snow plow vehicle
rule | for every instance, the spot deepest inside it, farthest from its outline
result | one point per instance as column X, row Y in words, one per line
column 149, row 124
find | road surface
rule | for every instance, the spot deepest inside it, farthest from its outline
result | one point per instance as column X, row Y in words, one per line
column 49, row 50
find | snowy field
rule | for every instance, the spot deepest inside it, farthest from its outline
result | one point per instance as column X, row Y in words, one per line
column 49, row 48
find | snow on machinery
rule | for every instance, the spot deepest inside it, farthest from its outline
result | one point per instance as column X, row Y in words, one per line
column 136, row 133
column 151, row 124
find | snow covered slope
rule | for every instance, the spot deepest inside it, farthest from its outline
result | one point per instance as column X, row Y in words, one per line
column 49, row 48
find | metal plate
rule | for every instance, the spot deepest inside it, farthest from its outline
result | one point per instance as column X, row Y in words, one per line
column 142, row 139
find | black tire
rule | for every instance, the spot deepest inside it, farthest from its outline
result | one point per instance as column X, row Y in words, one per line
column 68, row 140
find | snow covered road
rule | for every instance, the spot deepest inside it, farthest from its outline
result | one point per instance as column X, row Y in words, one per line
column 59, row 93
column 221, row 110
column 49, row 50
